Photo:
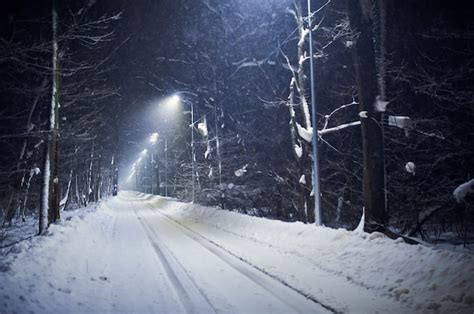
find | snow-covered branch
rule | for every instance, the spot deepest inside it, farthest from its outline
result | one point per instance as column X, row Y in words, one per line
column 337, row 128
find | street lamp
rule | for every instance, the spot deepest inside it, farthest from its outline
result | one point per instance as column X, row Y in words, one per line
column 316, row 187
column 154, row 164
column 174, row 101
column 193, row 154
column 154, row 138
column 143, row 169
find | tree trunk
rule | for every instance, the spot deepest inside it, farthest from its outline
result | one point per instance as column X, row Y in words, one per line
column 99, row 181
column 89, row 192
column 49, row 207
column 361, row 20
column 54, row 151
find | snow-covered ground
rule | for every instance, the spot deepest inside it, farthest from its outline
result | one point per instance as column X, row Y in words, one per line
column 144, row 254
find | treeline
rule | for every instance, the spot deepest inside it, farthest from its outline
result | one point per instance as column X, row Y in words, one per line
column 239, row 63
column 57, row 134
column 245, row 68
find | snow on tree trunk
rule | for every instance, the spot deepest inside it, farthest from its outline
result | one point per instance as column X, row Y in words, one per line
column 301, row 134
column 33, row 172
column 89, row 180
column 43, row 214
column 78, row 194
column 65, row 199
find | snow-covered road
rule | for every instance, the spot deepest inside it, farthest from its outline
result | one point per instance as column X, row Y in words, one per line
column 136, row 260
column 203, row 278
column 139, row 253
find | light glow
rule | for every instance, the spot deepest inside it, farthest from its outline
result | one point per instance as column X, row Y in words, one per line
column 154, row 138
column 174, row 100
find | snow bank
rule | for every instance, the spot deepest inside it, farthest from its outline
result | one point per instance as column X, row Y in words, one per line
column 421, row 278
column 23, row 287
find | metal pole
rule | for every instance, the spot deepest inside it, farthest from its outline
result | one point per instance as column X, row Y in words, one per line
column 151, row 171
column 166, row 166
column 316, row 187
column 217, row 145
column 192, row 145
column 136, row 180
column 157, row 169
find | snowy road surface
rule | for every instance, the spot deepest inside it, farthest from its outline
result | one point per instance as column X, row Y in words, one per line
column 137, row 260
column 145, row 254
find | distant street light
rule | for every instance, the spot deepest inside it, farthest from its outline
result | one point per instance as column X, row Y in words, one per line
column 154, row 163
column 154, row 138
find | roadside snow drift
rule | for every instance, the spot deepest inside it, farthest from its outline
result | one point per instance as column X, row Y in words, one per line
column 418, row 277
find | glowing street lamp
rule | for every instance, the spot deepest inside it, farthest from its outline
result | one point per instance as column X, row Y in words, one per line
column 154, row 138
column 174, row 102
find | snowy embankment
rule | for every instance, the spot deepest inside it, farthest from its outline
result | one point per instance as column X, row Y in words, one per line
column 328, row 263
column 27, row 275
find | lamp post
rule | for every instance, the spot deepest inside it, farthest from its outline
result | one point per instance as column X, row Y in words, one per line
column 316, row 187
column 192, row 148
column 166, row 167
column 143, row 176
column 154, row 163
column 174, row 101
column 137, row 181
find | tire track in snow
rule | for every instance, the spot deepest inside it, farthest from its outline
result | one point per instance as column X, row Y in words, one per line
column 258, row 275
column 190, row 296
